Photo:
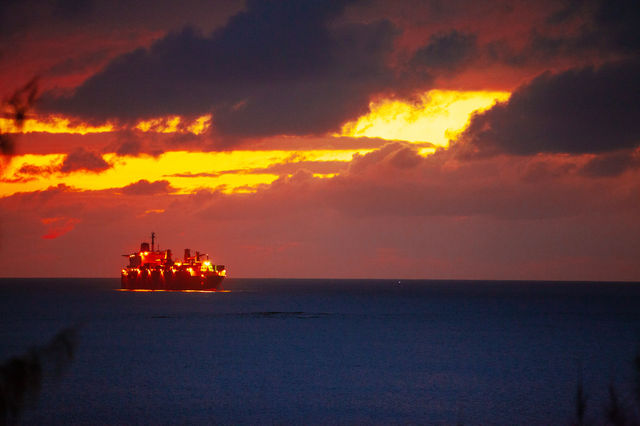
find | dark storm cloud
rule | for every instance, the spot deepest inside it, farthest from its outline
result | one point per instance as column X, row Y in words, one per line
column 602, row 29
column 78, row 64
column 578, row 111
column 19, row 15
column 446, row 51
column 278, row 67
column 81, row 159
column 612, row 24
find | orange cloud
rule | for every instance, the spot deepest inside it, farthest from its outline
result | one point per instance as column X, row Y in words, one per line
column 430, row 120
column 54, row 124
column 423, row 211
column 151, row 212
column 58, row 226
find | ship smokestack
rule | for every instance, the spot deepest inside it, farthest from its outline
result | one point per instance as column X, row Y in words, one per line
column 187, row 254
column 153, row 241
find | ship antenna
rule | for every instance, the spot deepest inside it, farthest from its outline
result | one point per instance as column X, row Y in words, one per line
column 153, row 240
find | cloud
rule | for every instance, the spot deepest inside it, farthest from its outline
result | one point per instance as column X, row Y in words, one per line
column 612, row 164
column 18, row 179
column 446, row 51
column 588, row 110
column 276, row 68
column 81, row 159
column 18, row 17
column 591, row 30
column 395, row 181
column 132, row 147
column 58, row 226
column 609, row 25
column 82, row 63
column 322, row 167
column 496, row 217
column 284, row 168
column 144, row 187
column 396, row 155
column 33, row 170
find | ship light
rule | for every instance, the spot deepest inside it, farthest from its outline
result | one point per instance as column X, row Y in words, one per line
column 124, row 272
column 223, row 273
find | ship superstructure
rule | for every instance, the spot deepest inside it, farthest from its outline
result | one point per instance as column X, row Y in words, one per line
column 153, row 269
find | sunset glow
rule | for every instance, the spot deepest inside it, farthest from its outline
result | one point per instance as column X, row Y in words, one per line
column 175, row 124
column 434, row 117
column 54, row 124
column 344, row 139
column 426, row 211
column 186, row 172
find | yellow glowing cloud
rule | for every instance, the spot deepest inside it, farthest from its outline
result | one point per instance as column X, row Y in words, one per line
column 35, row 160
column 175, row 124
column 200, row 125
column 435, row 117
column 60, row 124
column 185, row 171
column 53, row 124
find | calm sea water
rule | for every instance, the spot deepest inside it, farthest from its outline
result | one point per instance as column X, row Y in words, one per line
column 328, row 351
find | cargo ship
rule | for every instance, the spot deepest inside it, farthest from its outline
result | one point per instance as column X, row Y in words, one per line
column 151, row 269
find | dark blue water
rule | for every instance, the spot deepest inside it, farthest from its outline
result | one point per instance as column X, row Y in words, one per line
column 329, row 351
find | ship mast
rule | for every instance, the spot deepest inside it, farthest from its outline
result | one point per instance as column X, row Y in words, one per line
column 153, row 240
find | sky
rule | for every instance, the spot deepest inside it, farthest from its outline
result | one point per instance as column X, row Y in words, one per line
column 324, row 139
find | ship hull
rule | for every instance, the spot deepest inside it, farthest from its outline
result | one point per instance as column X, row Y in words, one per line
column 157, row 280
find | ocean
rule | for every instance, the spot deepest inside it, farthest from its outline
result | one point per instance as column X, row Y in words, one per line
column 284, row 351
